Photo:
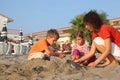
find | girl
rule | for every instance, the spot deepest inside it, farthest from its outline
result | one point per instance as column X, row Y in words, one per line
column 80, row 49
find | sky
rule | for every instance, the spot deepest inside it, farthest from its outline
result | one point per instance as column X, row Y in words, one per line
column 41, row 15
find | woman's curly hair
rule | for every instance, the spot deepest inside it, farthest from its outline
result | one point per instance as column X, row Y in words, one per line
column 93, row 19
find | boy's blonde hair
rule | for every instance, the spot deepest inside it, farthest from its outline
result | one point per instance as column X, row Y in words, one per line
column 53, row 33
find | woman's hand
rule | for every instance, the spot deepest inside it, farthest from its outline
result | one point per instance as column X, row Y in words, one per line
column 77, row 60
column 92, row 64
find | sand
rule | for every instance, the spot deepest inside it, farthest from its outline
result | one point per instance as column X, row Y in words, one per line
column 18, row 68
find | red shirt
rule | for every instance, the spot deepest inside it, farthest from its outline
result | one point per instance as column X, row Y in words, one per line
column 108, row 32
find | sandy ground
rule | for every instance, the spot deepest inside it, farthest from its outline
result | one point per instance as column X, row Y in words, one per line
column 18, row 68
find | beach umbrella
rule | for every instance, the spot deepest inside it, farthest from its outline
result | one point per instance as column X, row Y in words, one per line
column 30, row 40
column 4, row 33
column 21, row 35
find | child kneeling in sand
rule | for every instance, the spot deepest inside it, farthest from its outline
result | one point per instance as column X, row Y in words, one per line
column 80, row 49
column 41, row 50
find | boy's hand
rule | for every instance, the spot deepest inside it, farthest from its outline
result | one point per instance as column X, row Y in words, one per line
column 62, row 55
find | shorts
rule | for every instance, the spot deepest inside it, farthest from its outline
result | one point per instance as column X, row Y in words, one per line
column 89, row 60
column 115, row 49
column 40, row 55
column 77, row 53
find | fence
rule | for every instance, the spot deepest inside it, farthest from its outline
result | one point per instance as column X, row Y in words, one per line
column 13, row 49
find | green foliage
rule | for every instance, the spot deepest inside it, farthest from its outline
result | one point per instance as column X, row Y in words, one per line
column 103, row 16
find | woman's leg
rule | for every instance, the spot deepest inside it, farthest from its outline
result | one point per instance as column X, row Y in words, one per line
column 110, row 59
column 102, row 49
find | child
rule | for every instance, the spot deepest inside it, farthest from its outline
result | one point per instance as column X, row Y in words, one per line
column 80, row 49
column 105, row 38
column 41, row 50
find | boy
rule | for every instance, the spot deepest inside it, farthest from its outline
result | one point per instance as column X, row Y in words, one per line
column 41, row 50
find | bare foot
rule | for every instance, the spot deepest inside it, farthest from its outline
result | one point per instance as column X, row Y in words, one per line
column 113, row 63
column 108, row 63
column 104, row 64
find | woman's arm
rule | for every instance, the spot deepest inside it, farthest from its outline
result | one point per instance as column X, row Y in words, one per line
column 91, row 53
column 72, row 57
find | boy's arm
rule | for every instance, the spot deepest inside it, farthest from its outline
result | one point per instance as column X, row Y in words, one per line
column 51, row 53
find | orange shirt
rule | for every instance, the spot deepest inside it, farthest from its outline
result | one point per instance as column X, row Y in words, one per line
column 39, row 46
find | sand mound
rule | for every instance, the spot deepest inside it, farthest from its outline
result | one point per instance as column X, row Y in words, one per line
column 18, row 68
column 38, row 69
column 43, row 68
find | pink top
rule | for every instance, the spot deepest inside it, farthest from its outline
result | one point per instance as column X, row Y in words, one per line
column 82, row 49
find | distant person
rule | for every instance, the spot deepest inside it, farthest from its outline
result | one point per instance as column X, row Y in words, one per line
column 40, row 49
column 105, row 39
column 80, row 49
column 64, row 46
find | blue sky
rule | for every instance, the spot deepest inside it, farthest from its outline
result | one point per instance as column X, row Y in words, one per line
column 39, row 15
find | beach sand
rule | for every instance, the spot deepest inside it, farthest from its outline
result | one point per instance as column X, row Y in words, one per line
column 18, row 68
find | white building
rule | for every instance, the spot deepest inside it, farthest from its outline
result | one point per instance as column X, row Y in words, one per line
column 115, row 22
column 64, row 35
column 4, row 20
column 11, row 33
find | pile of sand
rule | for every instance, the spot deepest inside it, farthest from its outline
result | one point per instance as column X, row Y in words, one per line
column 18, row 68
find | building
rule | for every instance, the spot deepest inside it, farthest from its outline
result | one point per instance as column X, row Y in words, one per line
column 64, row 35
column 115, row 22
column 13, row 34
column 4, row 20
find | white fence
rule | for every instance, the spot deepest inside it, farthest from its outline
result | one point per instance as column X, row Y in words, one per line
column 8, row 48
